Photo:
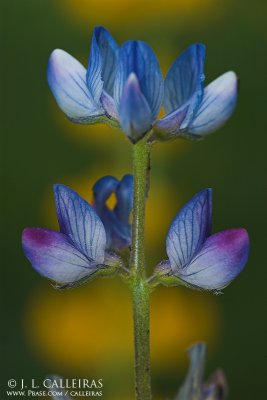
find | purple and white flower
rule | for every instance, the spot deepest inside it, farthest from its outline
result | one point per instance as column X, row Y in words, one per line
column 198, row 258
column 76, row 253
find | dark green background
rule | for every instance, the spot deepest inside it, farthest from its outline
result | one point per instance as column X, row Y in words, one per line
column 231, row 161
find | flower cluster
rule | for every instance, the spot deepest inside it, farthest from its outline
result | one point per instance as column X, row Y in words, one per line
column 124, row 87
column 89, row 236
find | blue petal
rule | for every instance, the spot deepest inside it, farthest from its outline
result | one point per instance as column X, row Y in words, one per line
column 217, row 106
column 134, row 112
column 116, row 221
column 189, row 230
column 124, row 195
column 54, row 256
column 138, row 58
column 67, row 80
column 79, row 221
column 102, row 190
column 102, row 63
column 220, row 260
column 185, row 79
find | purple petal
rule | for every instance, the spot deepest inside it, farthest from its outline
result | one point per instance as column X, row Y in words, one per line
column 134, row 112
column 185, row 79
column 54, row 256
column 109, row 106
column 79, row 221
column 102, row 63
column 67, row 80
column 138, row 58
column 217, row 106
column 169, row 126
column 216, row 388
column 189, row 230
column 220, row 260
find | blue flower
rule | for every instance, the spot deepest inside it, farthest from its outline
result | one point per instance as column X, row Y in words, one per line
column 76, row 253
column 192, row 111
column 197, row 258
column 116, row 220
column 124, row 87
column 79, row 92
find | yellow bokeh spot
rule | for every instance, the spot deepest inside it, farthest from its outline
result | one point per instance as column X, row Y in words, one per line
column 129, row 12
column 111, row 201
column 87, row 329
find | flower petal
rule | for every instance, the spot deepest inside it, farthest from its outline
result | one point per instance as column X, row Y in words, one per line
column 67, row 81
column 122, row 234
column 102, row 63
column 192, row 386
column 134, row 112
column 216, row 388
column 138, row 58
column 189, row 230
column 79, row 221
column 217, row 106
column 124, row 193
column 168, row 127
column 185, row 78
column 221, row 259
column 54, row 256
column 110, row 108
column 116, row 221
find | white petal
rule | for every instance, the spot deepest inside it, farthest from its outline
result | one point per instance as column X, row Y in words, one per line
column 67, row 80
column 217, row 105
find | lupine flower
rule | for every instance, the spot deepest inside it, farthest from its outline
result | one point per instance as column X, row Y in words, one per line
column 197, row 258
column 116, row 220
column 76, row 253
column 192, row 111
column 80, row 92
column 193, row 387
column 124, row 87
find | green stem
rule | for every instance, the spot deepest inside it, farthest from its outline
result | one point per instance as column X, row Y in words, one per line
column 139, row 285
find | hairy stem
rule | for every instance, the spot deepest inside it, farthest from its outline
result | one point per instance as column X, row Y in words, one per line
column 139, row 285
